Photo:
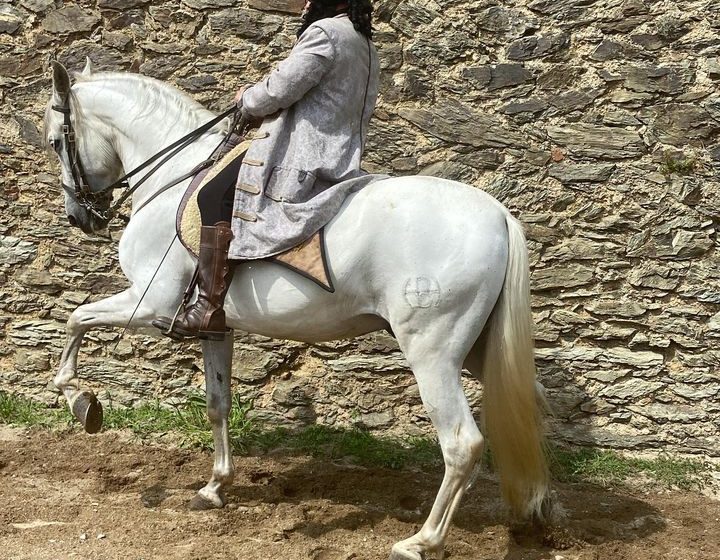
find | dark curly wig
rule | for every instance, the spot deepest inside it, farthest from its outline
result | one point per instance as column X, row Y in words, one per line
column 359, row 12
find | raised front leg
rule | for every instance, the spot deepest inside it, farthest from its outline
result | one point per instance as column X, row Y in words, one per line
column 114, row 311
column 218, row 368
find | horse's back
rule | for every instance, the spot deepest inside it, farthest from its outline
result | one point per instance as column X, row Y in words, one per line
column 421, row 191
column 426, row 220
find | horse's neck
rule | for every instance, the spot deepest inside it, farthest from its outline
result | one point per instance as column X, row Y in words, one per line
column 139, row 134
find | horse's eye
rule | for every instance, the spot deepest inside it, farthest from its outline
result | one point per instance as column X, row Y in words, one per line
column 54, row 144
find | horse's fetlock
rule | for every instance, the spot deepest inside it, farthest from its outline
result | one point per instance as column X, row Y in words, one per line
column 64, row 377
column 224, row 475
column 217, row 414
column 430, row 540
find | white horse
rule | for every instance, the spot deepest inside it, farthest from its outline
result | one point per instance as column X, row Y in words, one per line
column 441, row 264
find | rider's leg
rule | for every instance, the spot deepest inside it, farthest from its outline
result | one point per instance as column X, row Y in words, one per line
column 217, row 197
column 206, row 317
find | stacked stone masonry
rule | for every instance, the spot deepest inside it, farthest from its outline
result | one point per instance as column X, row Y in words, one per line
column 597, row 122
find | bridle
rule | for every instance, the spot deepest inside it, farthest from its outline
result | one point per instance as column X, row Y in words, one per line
column 92, row 200
column 83, row 194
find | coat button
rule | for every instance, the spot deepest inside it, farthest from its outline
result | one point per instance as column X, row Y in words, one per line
column 245, row 216
column 250, row 189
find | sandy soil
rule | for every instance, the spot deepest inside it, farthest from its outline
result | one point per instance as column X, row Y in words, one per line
column 106, row 497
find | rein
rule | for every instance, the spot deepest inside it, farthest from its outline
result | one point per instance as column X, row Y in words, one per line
column 90, row 199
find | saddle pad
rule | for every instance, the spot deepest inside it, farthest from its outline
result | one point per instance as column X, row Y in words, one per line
column 188, row 222
column 307, row 259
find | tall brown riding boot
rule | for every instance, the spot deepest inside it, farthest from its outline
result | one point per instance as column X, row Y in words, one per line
column 206, row 317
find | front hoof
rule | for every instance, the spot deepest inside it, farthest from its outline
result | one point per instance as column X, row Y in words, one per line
column 201, row 503
column 89, row 411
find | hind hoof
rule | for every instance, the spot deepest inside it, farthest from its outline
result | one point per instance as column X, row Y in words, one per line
column 399, row 553
column 200, row 503
column 89, row 411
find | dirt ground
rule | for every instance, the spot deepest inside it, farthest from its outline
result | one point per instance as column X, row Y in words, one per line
column 108, row 497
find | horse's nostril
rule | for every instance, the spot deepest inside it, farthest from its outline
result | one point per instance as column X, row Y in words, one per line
column 72, row 220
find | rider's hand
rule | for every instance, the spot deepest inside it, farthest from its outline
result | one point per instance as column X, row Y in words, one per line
column 239, row 95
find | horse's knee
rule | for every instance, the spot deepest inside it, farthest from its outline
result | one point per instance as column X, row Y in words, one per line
column 74, row 322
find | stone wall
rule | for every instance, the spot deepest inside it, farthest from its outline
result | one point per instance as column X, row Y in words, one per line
column 596, row 121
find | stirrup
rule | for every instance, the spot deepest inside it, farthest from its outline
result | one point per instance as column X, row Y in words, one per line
column 170, row 332
column 187, row 295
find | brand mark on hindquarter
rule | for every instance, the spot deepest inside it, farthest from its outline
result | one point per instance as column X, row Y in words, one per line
column 422, row 292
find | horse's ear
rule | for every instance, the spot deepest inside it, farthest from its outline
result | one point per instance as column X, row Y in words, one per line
column 88, row 70
column 61, row 81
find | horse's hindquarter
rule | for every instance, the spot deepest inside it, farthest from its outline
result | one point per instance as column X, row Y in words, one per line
column 435, row 245
column 399, row 245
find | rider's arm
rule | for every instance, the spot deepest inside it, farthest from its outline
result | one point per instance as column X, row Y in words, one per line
column 310, row 59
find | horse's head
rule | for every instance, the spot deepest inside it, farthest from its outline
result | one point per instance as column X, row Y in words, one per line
column 84, row 146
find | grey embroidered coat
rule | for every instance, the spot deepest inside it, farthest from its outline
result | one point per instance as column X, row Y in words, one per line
column 305, row 158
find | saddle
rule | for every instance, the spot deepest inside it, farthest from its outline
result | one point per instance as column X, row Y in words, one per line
column 307, row 259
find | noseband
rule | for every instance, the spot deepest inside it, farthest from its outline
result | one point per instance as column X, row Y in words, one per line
column 90, row 200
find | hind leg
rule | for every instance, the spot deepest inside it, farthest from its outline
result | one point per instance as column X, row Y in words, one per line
column 438, row 374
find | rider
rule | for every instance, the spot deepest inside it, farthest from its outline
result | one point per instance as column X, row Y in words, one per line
column 314, row 108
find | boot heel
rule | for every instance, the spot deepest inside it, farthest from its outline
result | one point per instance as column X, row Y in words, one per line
column 216, row 336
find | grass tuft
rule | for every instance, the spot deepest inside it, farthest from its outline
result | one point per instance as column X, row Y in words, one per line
column 17, row 411
column 193, row 424
column 678, row 472
column 144, row 421
column 677, row 164
column 189, row 421
column 609, row 468
column 25, row 412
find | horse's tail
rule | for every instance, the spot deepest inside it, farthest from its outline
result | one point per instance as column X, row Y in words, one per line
column 511, row 402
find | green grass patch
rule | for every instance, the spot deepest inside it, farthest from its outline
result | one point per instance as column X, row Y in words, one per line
column 190, row 425
column 24, row 412
column 677, row 472
column 144, row 421
column 609, row 468
column 189, row 422
column 354, row 445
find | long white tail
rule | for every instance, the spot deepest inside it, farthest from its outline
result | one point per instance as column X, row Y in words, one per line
column 513, row 419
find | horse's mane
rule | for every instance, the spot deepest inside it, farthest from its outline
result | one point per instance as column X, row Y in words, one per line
column 154, row 96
